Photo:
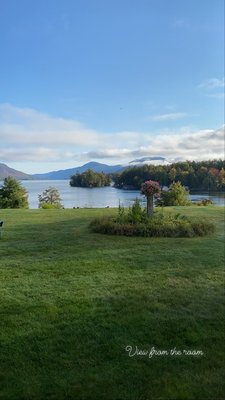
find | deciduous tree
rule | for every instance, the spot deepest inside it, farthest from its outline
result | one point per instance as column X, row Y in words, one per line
column 177, row 195
column 50, row 198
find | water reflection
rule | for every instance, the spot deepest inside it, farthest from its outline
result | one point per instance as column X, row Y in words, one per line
column 97, row 197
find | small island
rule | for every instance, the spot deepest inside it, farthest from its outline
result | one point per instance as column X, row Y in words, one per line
column 90, row 179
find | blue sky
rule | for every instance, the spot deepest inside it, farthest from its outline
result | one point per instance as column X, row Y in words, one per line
column 110, row 80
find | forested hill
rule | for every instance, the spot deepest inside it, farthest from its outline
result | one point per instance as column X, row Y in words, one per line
column 203, row 175
column 6, row 171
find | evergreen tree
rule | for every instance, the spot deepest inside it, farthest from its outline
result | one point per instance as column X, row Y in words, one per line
column 13, row 194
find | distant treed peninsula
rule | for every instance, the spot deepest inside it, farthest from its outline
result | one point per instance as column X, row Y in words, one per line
column 203, row 175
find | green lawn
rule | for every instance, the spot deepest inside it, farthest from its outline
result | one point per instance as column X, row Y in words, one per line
column 72, row 300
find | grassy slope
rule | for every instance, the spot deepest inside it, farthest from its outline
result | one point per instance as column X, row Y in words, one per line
column 72, row 300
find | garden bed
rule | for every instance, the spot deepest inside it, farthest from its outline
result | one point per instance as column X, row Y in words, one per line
column 158, row 225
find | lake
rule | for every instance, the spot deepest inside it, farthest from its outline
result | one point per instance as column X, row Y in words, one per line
column 97, row 197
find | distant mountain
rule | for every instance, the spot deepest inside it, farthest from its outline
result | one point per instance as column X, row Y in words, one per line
column 6, row 171
column 67, row 173
column 99, row 167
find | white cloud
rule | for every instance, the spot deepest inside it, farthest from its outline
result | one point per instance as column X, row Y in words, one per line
column 35, row 154
column 27, row 136
column 111, row 153
column 30, row 127
column 211, row 84
column 193, row 145
column 168, row 117
column 213, row 88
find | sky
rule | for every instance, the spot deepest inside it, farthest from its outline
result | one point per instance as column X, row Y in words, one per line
column 110, row 81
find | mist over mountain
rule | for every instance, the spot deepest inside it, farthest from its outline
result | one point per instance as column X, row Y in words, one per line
column 156, row 160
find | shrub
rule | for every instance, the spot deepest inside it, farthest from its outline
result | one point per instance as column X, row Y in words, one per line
column 132, row 215
column 136, row 213
column 135, row 222
column 202, row 228
column 121, row 216
column 48, row 206
column 157, row 226
column 177, row 195
column 204, row 202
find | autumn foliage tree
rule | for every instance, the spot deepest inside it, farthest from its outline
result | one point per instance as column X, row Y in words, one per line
column 149, row 189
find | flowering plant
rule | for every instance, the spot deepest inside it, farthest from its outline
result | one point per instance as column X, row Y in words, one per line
column 149, row 188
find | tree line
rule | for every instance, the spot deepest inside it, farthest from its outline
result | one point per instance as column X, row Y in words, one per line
column 202, row 175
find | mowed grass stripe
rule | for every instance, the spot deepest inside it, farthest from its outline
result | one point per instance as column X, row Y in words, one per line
column 72, row 300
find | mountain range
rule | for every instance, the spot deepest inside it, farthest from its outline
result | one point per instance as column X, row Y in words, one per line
column 67, row 173
column 6, row 171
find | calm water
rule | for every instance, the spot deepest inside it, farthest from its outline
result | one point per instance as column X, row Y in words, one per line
column 96, row 197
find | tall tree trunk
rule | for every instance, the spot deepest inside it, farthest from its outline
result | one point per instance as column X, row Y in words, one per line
column 150, row 205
